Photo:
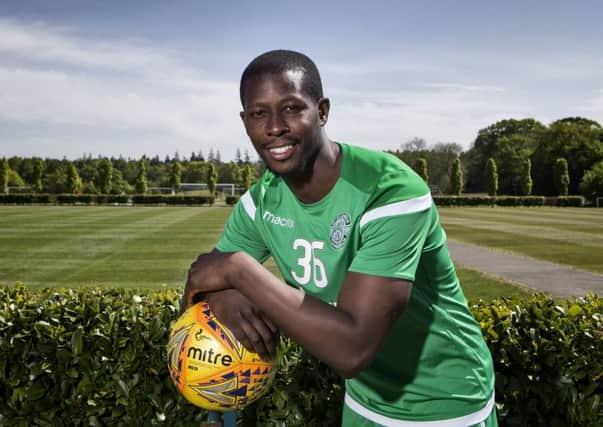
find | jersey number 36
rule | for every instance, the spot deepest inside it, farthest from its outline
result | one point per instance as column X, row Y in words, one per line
column 311, row 265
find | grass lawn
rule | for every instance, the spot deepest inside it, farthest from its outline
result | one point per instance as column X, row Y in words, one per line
column 570, row 236
column 142, row 247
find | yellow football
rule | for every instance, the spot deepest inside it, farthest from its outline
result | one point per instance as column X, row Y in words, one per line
column 210, row 368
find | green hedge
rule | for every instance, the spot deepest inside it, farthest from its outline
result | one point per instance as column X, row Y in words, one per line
column 97, row 357
column 574, row 201
column 231, row 200
column 104, row 199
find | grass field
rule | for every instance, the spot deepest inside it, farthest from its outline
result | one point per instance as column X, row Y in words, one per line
column 143, row 247
column 570, row 236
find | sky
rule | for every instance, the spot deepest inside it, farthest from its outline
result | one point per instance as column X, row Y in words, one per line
column 110, row 78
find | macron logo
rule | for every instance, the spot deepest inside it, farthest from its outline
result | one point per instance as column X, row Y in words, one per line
column 277, row 220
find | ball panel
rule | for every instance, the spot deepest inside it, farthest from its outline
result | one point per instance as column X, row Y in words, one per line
column 210, row 367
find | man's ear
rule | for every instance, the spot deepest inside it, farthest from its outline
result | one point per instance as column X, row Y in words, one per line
column 324, row 106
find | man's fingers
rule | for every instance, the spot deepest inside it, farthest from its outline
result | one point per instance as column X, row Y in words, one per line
column 254, row 340
column 263, row 335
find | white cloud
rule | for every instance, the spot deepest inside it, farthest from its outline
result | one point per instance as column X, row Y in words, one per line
column 72, row 82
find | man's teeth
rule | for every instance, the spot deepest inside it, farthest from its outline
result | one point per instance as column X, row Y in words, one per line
column 280, row 150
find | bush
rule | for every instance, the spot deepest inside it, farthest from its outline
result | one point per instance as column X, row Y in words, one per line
column 232, row 200
column 97, row 357
column 574, row 201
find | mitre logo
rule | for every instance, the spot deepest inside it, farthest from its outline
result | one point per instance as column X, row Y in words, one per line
column 278, row 220
column 340, row 227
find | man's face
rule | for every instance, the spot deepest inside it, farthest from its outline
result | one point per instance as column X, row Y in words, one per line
column 282, row 121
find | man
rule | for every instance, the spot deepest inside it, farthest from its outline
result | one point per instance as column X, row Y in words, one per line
column 355, row 233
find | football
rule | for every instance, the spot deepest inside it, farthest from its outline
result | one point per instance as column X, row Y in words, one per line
column 210, row 368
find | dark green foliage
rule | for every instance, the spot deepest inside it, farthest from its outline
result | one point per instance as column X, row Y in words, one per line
column 4, row 169
column 37, row 173
column 92, row 357
column 246, row 176
column 175, row 175
column 439, row 157
column 456, row 178
column 212, row 178
column 592, row 182
column 491, row 177
column 578, row 140
column 573, row 201
column 231, row 200
column 141, row 179
column 73, row 182
column 505, row 141
column 105, row 176
column 526, row 178
column 547, row 357
column 489, row 201
column 562, row 178
column 421, row 169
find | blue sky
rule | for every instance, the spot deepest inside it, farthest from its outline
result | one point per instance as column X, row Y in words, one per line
column 129, row 78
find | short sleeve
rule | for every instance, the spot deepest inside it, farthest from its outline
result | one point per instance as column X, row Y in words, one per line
column 391, row 246
column 241, row 234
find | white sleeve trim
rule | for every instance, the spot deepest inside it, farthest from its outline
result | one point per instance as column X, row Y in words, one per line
column 464, row 421
column 248, row 204
column 417, row 204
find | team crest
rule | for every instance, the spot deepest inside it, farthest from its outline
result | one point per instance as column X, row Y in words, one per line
column 339, row 230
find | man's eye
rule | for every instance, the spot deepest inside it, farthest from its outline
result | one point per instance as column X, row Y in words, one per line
column 258, row 114
column 291, row 108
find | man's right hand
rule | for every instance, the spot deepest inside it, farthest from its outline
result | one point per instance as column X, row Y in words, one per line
column 249, row 325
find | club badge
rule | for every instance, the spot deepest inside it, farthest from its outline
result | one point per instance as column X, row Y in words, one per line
column 339, row 230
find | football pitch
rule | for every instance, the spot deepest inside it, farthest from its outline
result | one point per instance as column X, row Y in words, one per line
column 568, row 236
column 152, row 247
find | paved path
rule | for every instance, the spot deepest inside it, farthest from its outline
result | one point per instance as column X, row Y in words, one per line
column 540, row 275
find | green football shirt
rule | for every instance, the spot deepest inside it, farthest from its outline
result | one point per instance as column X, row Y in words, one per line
column 378, row 219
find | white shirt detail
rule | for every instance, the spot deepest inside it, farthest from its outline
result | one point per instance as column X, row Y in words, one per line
column 417, row 204
column 464, row 421
column 248, row 204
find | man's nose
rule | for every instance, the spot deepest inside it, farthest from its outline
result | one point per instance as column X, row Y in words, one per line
column 277, row 125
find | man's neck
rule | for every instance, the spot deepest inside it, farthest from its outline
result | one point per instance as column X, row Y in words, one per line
column 322, row 175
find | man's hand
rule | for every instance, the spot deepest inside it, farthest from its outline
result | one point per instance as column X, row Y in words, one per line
column 208, row 273
column 250, row 327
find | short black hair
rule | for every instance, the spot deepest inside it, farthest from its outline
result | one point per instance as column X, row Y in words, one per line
column 279, row 61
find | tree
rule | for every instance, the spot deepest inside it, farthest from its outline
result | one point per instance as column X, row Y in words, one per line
column 247, row 157
column 486, row 145
column 36, row 179
column 74, row 182
column 141, row 180
column 591, row 186
column 4, row 168
column 238, row 158
column 576, row 139
column 175, row 176
column 236, row 172
column 491, row 177
column 415, row 144
column 421, row 168
column 105, row 176
column 526, row 178
column 246, row 177
column 456, row 178
column 212, row 178
column 562, row 178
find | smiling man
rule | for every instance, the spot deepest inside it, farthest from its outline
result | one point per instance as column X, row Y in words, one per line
column 369, row 287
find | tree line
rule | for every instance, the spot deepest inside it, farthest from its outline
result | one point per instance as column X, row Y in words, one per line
column 101, row 175
column 509, row 157
column 516, row 157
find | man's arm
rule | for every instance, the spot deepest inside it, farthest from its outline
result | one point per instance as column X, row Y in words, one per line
column 345, row 337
